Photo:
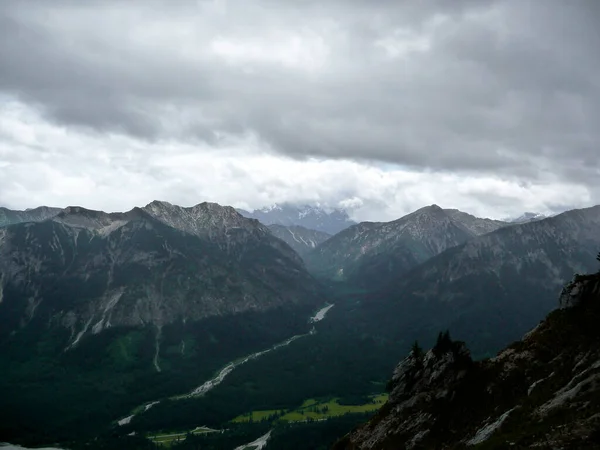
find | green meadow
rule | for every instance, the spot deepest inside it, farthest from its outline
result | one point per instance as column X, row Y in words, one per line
column 313, row 410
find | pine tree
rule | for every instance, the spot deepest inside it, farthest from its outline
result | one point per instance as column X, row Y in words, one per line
column 417, row 350
column 440, row 340
column 446, row 338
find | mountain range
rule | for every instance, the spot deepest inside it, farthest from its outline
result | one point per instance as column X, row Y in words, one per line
column 116, row 310
column 367, row 252
column 494, row 287
column 151, row 265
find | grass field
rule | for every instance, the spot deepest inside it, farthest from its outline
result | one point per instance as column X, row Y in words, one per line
column 315, row 410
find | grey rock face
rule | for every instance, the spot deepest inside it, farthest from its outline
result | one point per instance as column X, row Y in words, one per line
column 419, row 384
column 579, row 288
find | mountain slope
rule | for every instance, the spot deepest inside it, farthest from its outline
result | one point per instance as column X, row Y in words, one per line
column 301, row 239
column 369, row 253
column 540, row 392
column 90, row 270
column 496, row 286
column 311, row 217
column 8, row 217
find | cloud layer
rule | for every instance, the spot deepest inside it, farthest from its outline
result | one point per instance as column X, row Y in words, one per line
column 488, row 106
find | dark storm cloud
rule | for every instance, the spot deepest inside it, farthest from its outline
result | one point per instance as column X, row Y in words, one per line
column 508, row 87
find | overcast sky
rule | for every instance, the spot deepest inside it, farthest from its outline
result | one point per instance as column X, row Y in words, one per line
column 492, row 107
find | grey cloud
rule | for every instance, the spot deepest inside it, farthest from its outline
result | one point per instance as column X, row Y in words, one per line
column 507, row 87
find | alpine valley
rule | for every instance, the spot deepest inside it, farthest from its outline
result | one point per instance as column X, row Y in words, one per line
column 209, row 327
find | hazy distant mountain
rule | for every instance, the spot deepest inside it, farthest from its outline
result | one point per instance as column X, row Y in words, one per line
column 527, row 217
column 301, row 239
column 369, row 252
column 8, row 217
column 311, row 217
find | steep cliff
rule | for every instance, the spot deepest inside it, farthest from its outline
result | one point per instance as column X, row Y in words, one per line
column 540, row 392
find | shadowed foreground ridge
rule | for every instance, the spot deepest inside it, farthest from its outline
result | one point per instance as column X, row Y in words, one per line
column 541, row 392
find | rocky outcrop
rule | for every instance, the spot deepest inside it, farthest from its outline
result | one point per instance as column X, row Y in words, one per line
column 540, row 392
column 582, row 286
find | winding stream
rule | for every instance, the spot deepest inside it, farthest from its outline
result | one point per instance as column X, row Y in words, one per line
column 211, row 384
column 218, row 379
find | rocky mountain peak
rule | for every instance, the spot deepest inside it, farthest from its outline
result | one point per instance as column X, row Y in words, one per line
column 422, row 219
column 208, row 220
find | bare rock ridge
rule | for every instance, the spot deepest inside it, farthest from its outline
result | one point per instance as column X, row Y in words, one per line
column 89, row 271
column 540, row 392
